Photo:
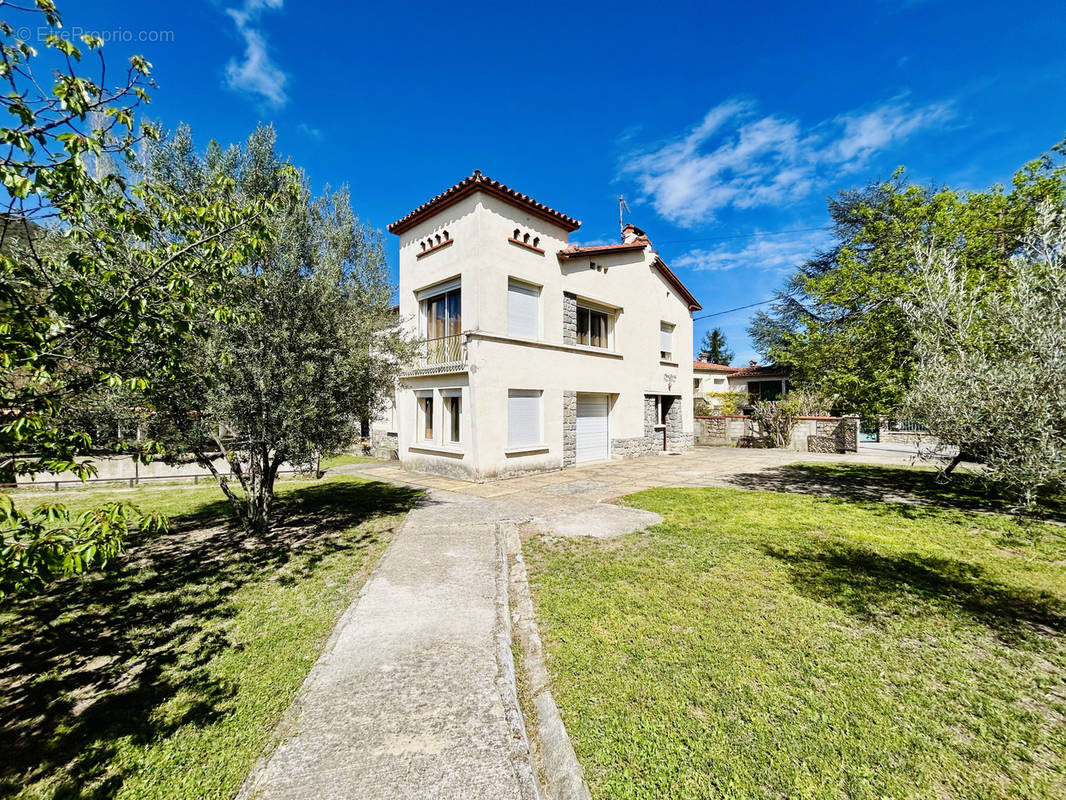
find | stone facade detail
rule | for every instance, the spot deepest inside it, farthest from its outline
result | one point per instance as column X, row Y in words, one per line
column 384, row 444
column 652, row 440
column 844, row 434
column 569, row 428
column 569, row 319
column 676, row 438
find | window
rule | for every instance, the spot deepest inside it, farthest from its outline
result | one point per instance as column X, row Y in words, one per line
column 719, row 381
column 765, row 390
column 453, row 412
column 523, row 310
column 425, row 417
column 442, row 314
column 523, row 418
column 666, row 341
column 592, row 327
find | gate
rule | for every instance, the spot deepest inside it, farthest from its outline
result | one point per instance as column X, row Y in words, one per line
column 870, row 430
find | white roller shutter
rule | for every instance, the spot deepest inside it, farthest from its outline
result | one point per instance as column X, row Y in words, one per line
column 523, row 318
column 523, row 418
column 666, row 340
column 592, row 442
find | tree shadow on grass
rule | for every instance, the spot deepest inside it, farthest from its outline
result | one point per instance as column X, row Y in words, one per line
column 912, row 492
column 125, row 653
column 870, row 585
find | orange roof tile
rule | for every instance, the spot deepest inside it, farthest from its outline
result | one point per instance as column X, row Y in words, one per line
column 574, row 251
column 481, row 183
column 709, row 367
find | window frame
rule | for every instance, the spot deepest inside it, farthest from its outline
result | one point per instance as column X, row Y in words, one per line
column 454, row 421
column 424, row 415
column 608, row 326
column 666, row 329
column 453, row 308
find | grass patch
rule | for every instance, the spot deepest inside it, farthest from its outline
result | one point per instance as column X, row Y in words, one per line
column 918, row 485
column 787, row 645
column 164, row 676
column 344, row 459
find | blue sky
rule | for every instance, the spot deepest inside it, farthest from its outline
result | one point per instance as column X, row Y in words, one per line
column 725, row 125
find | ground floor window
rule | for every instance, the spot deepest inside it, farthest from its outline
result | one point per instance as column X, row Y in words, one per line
column 523, row 418
column 453, row 411
column 425, row 416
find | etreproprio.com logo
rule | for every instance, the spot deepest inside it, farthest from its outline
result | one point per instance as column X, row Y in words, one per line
column 75, row 34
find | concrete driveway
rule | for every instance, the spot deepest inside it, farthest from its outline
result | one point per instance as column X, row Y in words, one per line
column 414, row 696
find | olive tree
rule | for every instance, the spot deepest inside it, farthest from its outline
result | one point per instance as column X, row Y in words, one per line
column 97, row 268
column 316, row 345
column 991, row 359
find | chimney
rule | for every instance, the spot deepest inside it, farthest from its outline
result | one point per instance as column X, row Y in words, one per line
column 631, row 234
column 753, row 363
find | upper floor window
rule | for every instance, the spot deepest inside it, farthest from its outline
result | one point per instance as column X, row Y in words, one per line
column 666, row 341
column 523, row 310
column 593, row 327
column 442, row 313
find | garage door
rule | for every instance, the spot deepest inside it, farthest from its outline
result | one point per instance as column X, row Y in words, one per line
column 592, row 444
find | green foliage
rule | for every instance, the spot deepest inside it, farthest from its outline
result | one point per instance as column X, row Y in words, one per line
column 96, row 268
column 776, row 419
column 318, row 346
column 764, row 644
column 164, row 676
column 50, row 540
column 728, row 402
column 992, row 360
column 714, row 347
column 838, row 324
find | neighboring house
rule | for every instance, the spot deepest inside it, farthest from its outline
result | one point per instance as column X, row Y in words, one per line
column 760, row 382
column 536, row 353
column 710, row 379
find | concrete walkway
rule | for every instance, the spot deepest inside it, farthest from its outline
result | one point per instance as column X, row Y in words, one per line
column 414, row 696
column 411, row 698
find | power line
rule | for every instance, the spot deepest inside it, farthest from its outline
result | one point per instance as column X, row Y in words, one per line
column 738, row 308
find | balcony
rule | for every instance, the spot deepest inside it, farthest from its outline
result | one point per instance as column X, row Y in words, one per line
column 438, row 356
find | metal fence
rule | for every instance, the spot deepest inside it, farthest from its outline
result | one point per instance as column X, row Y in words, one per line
column 904, row 426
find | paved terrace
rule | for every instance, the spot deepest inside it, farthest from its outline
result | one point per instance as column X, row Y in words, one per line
column 414, row 694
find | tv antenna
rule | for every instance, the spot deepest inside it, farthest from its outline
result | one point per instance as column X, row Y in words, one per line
column 622, row 207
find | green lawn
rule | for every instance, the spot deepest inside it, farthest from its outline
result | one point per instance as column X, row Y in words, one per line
column 164, row 676
column 343, row 460
column 763, row 644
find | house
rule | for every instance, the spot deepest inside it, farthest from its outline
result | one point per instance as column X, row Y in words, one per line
column 760, row 382
column 710, row 379
column 535, row 353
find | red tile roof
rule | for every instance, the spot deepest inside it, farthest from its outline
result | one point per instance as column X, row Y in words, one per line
column 709, row 367
column 625, row 247
column 759, row 370
column 573, row 251
column 481, row 183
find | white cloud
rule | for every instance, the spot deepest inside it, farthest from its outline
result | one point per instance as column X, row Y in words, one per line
column 310, row 132
column 255, row 73
column 734, row 157
column 764, row 253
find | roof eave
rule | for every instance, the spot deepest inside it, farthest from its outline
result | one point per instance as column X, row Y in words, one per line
column 469, row 186
column 673, row 280
column 607, row 250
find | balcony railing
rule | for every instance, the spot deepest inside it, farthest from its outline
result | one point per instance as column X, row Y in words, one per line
column 439, row 352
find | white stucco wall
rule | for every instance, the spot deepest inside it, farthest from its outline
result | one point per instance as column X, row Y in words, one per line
column 482, row 256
